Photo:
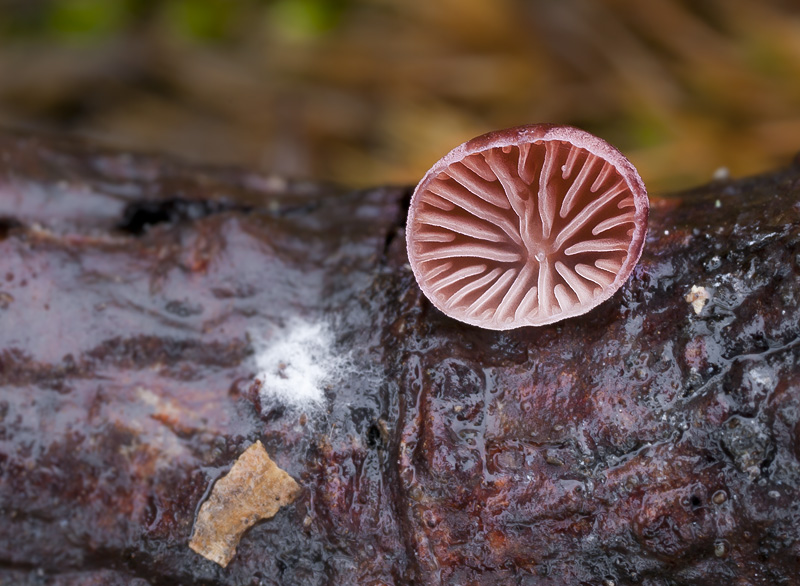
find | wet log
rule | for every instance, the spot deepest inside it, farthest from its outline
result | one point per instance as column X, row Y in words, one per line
column 158, row 318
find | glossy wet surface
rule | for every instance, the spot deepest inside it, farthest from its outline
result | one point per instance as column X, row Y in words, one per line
column 641, row 443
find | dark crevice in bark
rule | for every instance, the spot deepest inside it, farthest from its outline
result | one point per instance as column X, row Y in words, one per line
column 8, row 225
column 139, row 216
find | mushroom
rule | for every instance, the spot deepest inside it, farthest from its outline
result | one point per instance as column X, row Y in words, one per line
column 526, row 226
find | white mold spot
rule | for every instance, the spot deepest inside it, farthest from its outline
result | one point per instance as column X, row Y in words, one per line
column 297, row 362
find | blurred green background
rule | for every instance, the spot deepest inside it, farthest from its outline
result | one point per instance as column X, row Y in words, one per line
column 368, row 92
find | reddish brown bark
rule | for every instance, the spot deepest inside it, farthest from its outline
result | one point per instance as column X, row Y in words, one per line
column 641, row 443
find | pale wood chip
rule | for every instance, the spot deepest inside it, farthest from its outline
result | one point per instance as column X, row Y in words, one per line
column 254, row 489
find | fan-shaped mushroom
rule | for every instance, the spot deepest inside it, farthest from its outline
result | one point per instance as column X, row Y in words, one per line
column 526, row 226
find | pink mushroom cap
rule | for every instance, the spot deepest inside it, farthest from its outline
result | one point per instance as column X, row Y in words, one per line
column 526, row 226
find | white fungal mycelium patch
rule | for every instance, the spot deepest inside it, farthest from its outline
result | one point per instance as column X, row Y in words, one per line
column 297, row 362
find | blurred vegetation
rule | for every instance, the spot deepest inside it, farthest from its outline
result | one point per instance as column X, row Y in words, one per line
column 374, row 91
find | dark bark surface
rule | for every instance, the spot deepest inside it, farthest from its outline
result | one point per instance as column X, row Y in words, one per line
column 642, row 443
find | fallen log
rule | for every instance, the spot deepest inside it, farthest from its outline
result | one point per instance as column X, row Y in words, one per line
column 157, row 319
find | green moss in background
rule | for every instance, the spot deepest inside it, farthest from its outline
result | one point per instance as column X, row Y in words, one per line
column 203, row 20
column 305, row 19
column 86, row 20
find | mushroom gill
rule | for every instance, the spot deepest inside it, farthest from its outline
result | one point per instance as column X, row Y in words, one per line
column 526, row 226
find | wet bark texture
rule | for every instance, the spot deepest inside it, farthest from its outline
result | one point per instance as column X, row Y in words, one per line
column 642, row 443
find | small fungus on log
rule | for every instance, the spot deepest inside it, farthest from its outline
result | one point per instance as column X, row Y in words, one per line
column 526, row 226
column 254, row 489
